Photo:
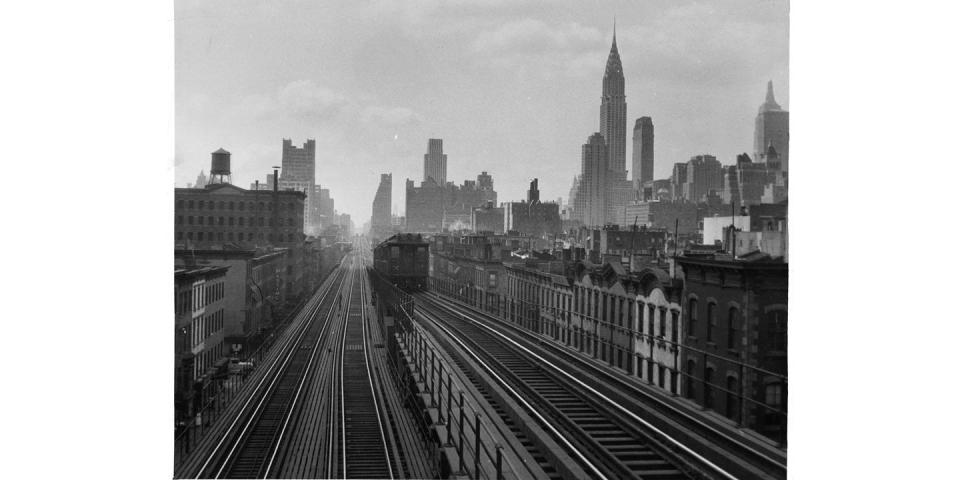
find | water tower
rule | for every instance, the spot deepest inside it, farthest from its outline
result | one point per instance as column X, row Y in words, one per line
column 220, row 167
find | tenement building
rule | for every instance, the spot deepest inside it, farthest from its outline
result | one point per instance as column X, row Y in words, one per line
column 734, row 353
column 200, row 294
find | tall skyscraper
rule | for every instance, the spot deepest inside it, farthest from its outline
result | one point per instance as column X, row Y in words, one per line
column 613, row 112
column 298, row 171
column 704, row 175
column 772, row 127
column 642, row 170
column 591, row 201
column 435, row 162
column 380, row 220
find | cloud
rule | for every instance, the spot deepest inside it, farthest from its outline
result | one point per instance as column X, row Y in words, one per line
column 531, row 37
column 305, row 99
column 396, row 116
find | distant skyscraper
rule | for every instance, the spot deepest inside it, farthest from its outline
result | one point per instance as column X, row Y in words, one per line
column 772, row 127
column 435, row 162
column 704, row 174
column 380, row 219
column 642, row 170
column 613, row 112
column 591, row 201
column 298, row 170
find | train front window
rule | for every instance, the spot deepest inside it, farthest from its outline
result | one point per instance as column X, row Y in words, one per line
column 394, row 252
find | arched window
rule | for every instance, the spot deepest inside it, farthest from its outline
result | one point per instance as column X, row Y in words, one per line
column 692, row 317
column 707, row 388
column 674, row 325
column 711, row 320
column 775, row 330
column 732, row 403
column 733, row 327
column 651, row 322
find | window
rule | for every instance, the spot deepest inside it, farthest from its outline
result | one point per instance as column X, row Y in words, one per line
column 732, row 403
column 220, row 205
column 179, row 219
column 190, row 220
column 200, row 236
column 190, row 204
column 261, row 221
column 210, row 204
column 231, row 206
column 250, row 236
column 240, row 220
column 189, row 235
column 650, row 321
column 675, row 316
column 200, row 220
column 200, row 205
column 661, row 372
column 221, row 220
column 289, row 237
column 210, row 220
column 663, row 325
column 219, row 235
column 773, row 394
column 179, row 235
column 711, row 320
column 733, row 327
column 290, row 222
column 230, row 221
column 260, row 206
column 776, row 330
column 707, row 388
column 179, row 203
column 689, row 388
column 241, row 205
column 692, row 317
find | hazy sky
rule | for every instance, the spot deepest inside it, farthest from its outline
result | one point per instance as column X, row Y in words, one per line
column 512, row 86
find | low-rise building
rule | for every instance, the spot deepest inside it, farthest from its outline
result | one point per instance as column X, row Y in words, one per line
column 734, row 347
column 199, row 306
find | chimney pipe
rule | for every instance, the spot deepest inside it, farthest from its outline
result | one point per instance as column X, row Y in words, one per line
column 275, row 184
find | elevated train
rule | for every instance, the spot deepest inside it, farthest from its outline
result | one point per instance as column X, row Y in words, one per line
column 404, row 259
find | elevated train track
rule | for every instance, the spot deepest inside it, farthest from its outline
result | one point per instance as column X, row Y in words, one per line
column 329, row 349
column 609, row 440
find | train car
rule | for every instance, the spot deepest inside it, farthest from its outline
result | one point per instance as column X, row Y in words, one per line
column 404, row 259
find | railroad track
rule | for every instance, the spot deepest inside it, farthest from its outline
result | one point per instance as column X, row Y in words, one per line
column 360, row 446
column 248, row 447
column 597, row 435
column 735, row 453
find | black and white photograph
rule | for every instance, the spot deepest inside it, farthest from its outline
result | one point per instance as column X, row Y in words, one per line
column 480, row 239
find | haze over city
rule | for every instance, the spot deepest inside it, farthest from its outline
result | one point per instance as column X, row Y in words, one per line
column 511, row 87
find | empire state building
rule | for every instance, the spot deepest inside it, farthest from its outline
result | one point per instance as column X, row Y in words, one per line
column 613, row 113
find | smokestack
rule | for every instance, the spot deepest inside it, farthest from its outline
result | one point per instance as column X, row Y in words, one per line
column 275, row 184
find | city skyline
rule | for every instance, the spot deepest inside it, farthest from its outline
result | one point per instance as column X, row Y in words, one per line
column 513, row 97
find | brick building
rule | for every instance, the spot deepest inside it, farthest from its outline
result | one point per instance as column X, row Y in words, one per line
column 734, row 354
column 199, row 305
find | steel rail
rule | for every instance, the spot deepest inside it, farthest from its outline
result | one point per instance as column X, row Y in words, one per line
column 533, row 411
column 543, row 361
column 281, row 359
column 373, row 393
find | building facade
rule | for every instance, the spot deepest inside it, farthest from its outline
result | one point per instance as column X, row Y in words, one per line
column 642, row 171
column 299, row 170
column 435, row 162
column 199, row 305
column 734, row 354
column 380, row 220
column 591, row 206
column 222, row 214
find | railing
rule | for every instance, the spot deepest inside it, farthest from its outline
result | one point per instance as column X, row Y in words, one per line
column 752, row 411
column 464, row 431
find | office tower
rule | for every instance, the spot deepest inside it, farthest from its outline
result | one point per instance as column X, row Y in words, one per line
column 772, row 127
column 298, row 170
column 380, row 218
column 704, row 175
column 642, row 168
column 435, row 162
column 613, row 113
column 591, row 207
